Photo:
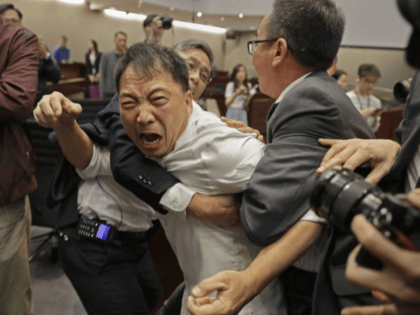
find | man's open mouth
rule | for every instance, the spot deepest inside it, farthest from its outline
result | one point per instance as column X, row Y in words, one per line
column 150, row 138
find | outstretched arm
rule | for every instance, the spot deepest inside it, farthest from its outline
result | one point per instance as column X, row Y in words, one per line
column 59, row 113
column 237, row 288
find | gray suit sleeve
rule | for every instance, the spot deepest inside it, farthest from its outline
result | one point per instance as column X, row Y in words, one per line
column 278, row 192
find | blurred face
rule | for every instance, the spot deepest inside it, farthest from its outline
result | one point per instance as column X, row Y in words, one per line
column 63, row 42
column 154, row 112
column 241, row 74
column 199, row 70
column 366, row 83
column 12, row 16
column 90, row 45
column 261, row 60
column 121, row 42
column 157, row 28
column 342, row 81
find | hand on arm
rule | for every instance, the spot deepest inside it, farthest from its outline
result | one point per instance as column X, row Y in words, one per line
column 398, row 280
column 237, row 288
column 380, row 154
column 220, row 209
column 242, row 127
column 59, row 113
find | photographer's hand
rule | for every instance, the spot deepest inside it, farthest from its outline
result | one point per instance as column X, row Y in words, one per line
column 380, row 154
column 399, row 278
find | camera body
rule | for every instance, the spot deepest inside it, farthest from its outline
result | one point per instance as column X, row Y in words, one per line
column 166, row 22
column 401, row 90
column 340, row 194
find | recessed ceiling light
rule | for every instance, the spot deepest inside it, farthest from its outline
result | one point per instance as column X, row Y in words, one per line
column 171, row 9
column 222, row 18
column 241, row 15
column 199, row 14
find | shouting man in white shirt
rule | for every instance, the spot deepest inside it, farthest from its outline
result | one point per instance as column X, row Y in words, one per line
column 159, row 116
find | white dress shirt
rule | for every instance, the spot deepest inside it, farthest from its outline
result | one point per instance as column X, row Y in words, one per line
column 413, row 172
column 101, row 197
column 363, row 102
column 211, row 158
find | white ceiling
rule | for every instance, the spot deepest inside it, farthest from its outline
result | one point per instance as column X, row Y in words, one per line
column 222, row 13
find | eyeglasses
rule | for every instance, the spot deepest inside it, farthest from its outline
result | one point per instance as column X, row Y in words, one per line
column 252, row 44
column 204, row 75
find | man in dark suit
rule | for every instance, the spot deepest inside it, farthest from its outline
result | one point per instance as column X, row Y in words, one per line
column 296, row 43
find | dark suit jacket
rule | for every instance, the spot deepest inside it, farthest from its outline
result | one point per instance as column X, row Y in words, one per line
column 278, row 192
column 90, row 66
column 408, row 134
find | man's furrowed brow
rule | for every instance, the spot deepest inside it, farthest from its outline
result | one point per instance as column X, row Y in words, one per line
column 157, row 89
column 126, row 94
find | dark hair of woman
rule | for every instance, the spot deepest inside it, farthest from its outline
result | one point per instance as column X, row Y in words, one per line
column 95, row 47
column 233, row 77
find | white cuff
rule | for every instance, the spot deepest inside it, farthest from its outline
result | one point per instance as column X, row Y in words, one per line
column 90, row 170
column 313, row 217
column 176, row 199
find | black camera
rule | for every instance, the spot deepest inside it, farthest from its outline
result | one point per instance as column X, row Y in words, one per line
column 339, row 194
column 166, row 22
column 401, row 90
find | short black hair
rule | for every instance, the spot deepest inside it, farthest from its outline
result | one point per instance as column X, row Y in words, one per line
column 149, row 19
column 118, row 33
column 149, row 59
column 191, row 43
column 368, row 69
column 313, row 30
column 7, row 6
column 338, row 74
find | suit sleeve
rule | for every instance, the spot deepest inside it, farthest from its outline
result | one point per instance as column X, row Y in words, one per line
column 19, row 81
column 279, row 190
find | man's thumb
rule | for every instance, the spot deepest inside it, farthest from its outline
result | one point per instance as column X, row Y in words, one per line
column 206, row 287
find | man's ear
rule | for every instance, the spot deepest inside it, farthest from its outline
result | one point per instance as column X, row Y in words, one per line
column 189, row 101
column 280, row 50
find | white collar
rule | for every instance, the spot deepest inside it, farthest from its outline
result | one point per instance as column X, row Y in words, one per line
column 291, row 85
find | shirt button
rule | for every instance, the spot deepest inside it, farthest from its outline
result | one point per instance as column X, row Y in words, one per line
column 150, row 183
column 141, row 176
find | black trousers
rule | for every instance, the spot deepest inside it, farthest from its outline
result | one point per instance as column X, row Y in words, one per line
column 299, row 288
column 111, row 279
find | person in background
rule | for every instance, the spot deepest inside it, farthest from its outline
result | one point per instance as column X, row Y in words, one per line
column 237, row 94
column 107, row 63
column 153, row 29
column 341, row 77
column 92, row 59
column 62, row 51
column 19, row 55
column 368, row 105
column 48, row 70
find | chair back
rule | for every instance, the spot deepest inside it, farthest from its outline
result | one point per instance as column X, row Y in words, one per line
column 257, row 112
